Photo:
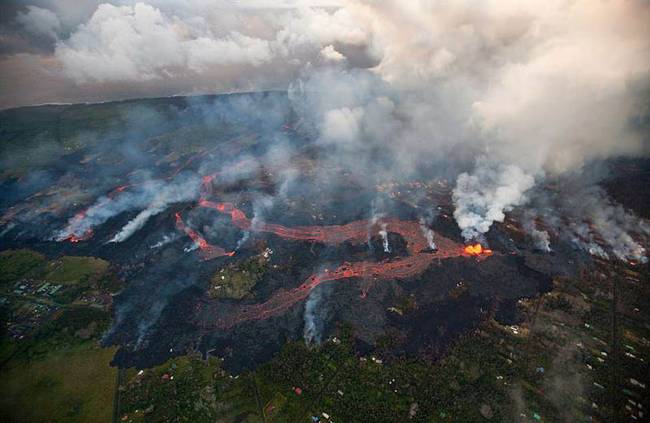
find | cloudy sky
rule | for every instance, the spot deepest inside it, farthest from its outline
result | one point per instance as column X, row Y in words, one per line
column 70, row 51
column 563, row 78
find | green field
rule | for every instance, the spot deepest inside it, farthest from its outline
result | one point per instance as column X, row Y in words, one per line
column 237, row 281
column 57, row 372
column 16, row 264
column 70, row 270
column 66, row 270
column 74, row 384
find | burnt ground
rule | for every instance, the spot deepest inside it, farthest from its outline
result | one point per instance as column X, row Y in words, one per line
column 628, row 184
column 164, row 308
column 450, row 299
column 161, row 311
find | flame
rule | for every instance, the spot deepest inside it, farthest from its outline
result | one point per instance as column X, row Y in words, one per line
column 477, row 250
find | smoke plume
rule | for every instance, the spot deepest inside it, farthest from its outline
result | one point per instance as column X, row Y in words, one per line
column 482, row 198
column 498, row 98
column 180, row 191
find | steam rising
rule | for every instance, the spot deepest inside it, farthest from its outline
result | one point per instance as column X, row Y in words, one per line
column 315, row 314
column 483, row 197
column 166, row 239
column 184, row 190
column 588, row 218
column 384, row 238
column 153, row 195
column 510, row 101
column 428, row 233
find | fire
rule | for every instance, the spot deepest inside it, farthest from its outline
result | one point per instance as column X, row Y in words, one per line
column 477, row 250
column 74, row 238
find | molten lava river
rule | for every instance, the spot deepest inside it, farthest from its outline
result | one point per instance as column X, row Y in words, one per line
column 421, row 253
column 356, row 232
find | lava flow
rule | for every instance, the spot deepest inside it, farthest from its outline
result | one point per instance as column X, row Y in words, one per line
column 208, row 252
column 283, row 300
column 355, row 232
column 85, row 236
column 418, row 246
column 74, row 237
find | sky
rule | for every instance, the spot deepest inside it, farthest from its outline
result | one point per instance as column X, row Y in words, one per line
column 60, row 51
column 57, row 51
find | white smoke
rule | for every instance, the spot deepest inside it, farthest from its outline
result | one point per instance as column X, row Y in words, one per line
column 541, row 238
column 539, row 88
column 191, row 248
column 384, row 238
column 376, row 214
column 261, row 203
column 154, row 193
column 428, row 233
column 590, row 220
column 166, row 239
column 482, row 198
column 136, row 223
column 314, row 315
column 243, row 240
column 173, row 193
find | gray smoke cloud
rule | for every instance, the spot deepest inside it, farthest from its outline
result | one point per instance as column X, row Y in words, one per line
column 534, row 90
column 585, row 216
column 541, row 238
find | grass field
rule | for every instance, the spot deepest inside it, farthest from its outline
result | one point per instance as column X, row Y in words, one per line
column 71, row 385
column 66, row 270
column 15, row 264
column 69, row 270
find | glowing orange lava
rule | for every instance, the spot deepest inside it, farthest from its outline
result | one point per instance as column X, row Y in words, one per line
column 477, row 250
column 208, row 252
column 86, row 236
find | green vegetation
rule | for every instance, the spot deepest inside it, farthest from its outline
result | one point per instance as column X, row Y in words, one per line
column 302, row 381
column 237, row 280
column 75, row 384
column 69, row 270
column 37, row 137
column 51, row 366
column 180, row 390
column 16, row 264
column 77, row 275
column 68, row 328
